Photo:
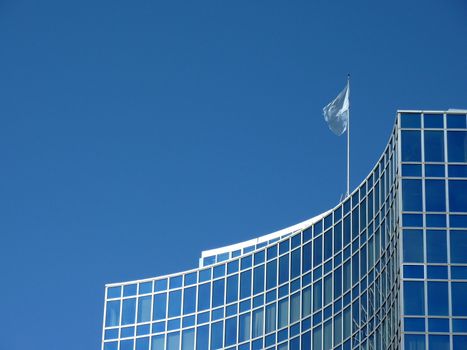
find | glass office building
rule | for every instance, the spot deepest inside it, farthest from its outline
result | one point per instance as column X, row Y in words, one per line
column 385, row 269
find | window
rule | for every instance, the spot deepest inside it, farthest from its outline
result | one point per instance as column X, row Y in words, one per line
column 413, row 245
column 188, row 339
column 244, row 327
column 245, row 284
column 173, row 341
column 112, row 313
column 458, row 246
column 457, row 195
column 257, row 326
column 258, row 280
column 159, row 306
column 414, row 342
column 204, row 296
column 317, row 251
column 459, row 300
column 189, row 300
column 144, row 309
column 218, row 292
column 434, row 146
column 412, row 195
column 283, row 318
column 202, row 339
column 436, row 246
column 306, row 260
column 411, row 146
column 457, row 146
column 271, row 274
column 414, row 298
column 438, row 342
column 175, row 303
column 295, row 263
column 217, row 335
column 230, row 331
column 270, row 318
column 438, row 298
column 284, row 268
column 128, row 311
column 435, row 195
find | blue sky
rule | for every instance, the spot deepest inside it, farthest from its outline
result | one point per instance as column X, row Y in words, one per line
column 135, row 134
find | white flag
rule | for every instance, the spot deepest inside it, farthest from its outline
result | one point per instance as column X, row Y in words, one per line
column 336, row 113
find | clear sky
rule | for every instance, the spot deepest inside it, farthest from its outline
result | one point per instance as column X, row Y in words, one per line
column 135, row 134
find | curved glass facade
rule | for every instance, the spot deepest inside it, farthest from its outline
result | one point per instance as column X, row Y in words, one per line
column 365, row 274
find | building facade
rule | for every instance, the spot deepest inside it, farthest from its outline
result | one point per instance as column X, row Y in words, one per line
column 385, row 269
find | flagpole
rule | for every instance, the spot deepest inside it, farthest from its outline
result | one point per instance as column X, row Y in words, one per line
column 348, row 138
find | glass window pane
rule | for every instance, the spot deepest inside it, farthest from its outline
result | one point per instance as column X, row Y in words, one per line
column 438, row 342
column 230, row 331
column 458, row 246
column 306, row 301
column 438, row 298
column 232, row 288
column 188, row 339
column 411, row 146
column 414, row 298
column 271, row 277
column 435, row 195
column 294, row 307
column 458, row 195
column 218, row 292
column 317, row 295
column 158, row 342
column 436, row 246
column 306, row 260
column 414, row 342
column 204, row 296
column 257, row 323
column 317, row 251
column 412, row 195
column 175, row 303
column 142, row 343
column 144, row 309
column 160, row 301
column 129, row 311
column 244, row 327
column 270, row 318
column 217, row 335
column 112, row 313
column 173, row 341
column 283, row 313
column 258, row 280
column 413, row 245
column 284, row 268
column 434, row 146
column 189, row 300
column 459, row 299
column 202, row 338
column 245, row 284
column 457, row 146
column 295, row 263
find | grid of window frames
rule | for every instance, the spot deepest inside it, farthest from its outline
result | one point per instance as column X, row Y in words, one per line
column 434, row 219
column 334, row 285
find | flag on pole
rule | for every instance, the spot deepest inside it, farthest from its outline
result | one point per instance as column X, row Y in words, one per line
column 336, row 113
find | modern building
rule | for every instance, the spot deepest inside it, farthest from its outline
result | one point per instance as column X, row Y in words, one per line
column 385, row 269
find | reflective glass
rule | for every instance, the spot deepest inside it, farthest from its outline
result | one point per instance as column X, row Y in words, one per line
column 414, row 342
column 271, row 274
column 412, row 195
column 232, row 288
column 458, row 195
column 413, row 245
column 217, row 335
column 129, row 311
column 457, row 146
column 244, row 327
column 458, row 246
column 230, row 331
column 434, row 146
column 414, row 298
column 173, row 341
column 438, row 298
column 218, row 292
column 438, row 342
column 159, row 306
column 435, row 195
column 284, row 268
column 175, row 303
column 189, row 300
column 459, row 299
column 202, row 338
column 257, row 325
column 112, row 313
column 188, row 339
column 204, row 296
column 144, row 309
column 245, row 284
column 411, row 146
column 436, row 248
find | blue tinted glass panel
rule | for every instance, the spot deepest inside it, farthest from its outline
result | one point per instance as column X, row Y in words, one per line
column 230, row 331
column 232, row 288
column 434, row 146
column 432, row 170
column 245, row 284
column 112, row 313
column 218, row 293
column 439, row 342
column 411, row 170
column 126, row 344
column 414, row 342
column 433, row 121
column 258, row 280
column 457, row 170
column 111, row 346
column 189, row 300
column 412, row 195
column 188, row 339
column 438, row 298
column 175, row 303
column 283, row 268
column 459, row 342
column 142, row 343
column 244, row 327
column 411, row 146
column 413, row 245
column 414, row 298
column 317, row 251
column 436, row 246
column 414, row 324
column 306, row 259
column 295, row 263
column 202, row 339
column 413, row 271
column 160, row 285
column 204, row 296
column 129, row 311
column 459, row 325
column 160, row 301
column 457, row 146
column 458, row 246
column 114, row 292
column 459, row 299
column 438, row 324
column 129, row 290
column 459, row 272
column 144, row 309
column 435, row 195
column 410, row 120
column 456, row 121
column 217, row 335
column 437, row 272
column 458, row 195
column 158, row 342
